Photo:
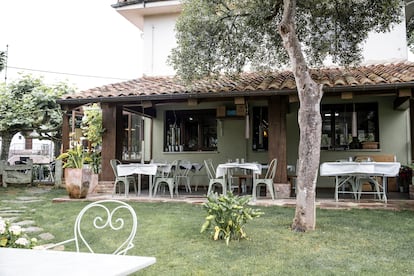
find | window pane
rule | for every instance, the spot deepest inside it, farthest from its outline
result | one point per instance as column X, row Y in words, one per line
column 260, row 129
column 337, row 128
column 133, row 136
column 190, row 130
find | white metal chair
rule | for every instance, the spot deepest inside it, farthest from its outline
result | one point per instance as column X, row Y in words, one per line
column 126, row 180
column 182, row 175
column 212, row 178
column 167, row 178
column 102, row 221
column 267, row 180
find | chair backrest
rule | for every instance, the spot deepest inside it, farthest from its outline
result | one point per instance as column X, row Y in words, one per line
column 105, row 221
column 184, row 167
column 209, row 168
column 171, row 170
column 271, row 171
column 114, row 163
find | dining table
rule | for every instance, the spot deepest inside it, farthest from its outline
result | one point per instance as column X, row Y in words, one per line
column 33, row 262
column 223, row 170
column 143, row 169
column 354, row 173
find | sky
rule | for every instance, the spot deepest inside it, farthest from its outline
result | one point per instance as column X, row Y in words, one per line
column 87, row 40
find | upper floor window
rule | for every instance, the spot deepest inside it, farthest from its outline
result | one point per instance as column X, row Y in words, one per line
column 190, row 130
column 343, row 123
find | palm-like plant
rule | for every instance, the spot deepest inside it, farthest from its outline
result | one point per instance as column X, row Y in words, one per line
column 74, row 157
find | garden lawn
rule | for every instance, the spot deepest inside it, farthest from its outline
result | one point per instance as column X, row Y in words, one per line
column 356, row 242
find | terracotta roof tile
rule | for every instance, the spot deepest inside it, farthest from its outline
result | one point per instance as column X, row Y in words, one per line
column 253, row 82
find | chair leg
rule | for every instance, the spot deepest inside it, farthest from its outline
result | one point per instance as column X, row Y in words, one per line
column 126, row 186
column 254, row 192
column 187, row 185
column 171, row 188
column 272, row 193
column 224, row 189
column 210, row 187
column 156, row 188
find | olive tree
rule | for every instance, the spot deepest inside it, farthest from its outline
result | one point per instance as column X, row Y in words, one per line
column 216, row 36
column 30, row 105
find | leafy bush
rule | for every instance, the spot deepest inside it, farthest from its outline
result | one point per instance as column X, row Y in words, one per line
column 13, row 236
column 228, row 214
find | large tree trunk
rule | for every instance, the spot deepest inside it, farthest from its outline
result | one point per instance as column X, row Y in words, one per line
column 5, row 145
column 310, row 123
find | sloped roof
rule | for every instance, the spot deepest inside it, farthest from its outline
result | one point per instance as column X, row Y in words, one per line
column 386, row 76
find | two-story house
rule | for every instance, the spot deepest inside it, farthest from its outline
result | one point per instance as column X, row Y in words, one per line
column 255, row 116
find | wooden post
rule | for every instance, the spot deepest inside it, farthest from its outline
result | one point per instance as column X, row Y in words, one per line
column 277, row 135
column 65, row 131
column 111, row 139
column 278, row 106
column 412, row 127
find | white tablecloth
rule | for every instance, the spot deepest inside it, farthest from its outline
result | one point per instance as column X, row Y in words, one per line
column 368, row 168
column 137, row 168
column 146, row 169
column 353, row 172
column 49, row 262
column 222, row 168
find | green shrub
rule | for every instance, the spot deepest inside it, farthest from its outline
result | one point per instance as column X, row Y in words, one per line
column 228, row 214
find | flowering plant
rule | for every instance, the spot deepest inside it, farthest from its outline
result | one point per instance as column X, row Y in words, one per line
column 13, row 236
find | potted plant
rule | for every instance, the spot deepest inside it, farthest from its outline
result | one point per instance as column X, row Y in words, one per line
column 77, row 173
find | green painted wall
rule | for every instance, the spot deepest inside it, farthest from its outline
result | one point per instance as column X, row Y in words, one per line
column 393, row 126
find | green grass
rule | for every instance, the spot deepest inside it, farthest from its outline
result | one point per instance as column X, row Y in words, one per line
column 345, row 242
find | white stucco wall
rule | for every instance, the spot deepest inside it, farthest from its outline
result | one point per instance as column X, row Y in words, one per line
column 159, row 39
column 386, row 47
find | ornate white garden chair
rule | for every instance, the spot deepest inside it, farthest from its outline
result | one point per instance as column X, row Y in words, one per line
column 104, row 221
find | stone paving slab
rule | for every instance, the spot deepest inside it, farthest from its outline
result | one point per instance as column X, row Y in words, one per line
column 33, row 229
column 46, row 236
column 25, row 223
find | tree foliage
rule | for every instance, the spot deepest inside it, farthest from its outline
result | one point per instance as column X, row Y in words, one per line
column 228, row 35
column 2, row 60
column 410, row 25
column 92, row 124
column 30, row 105
column 216, row 36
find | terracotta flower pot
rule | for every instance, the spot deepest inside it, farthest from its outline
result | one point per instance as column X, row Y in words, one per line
column 77, row 182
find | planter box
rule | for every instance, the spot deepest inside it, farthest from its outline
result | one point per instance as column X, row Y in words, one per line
column 282, row 190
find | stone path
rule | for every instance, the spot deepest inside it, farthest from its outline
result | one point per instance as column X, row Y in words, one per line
column 15, row 216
